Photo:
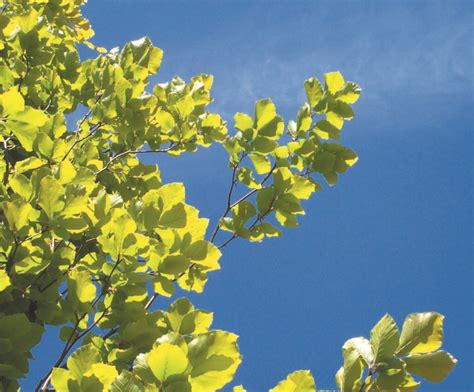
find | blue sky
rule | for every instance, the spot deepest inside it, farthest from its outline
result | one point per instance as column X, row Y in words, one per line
column 395, row 235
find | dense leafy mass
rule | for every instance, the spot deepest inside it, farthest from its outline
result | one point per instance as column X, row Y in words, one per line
column 90, row 236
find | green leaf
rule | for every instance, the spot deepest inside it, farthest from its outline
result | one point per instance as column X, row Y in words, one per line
column 433, row 367
column 353, row 369
column 326, row 130
column 349, row 94
column 99, row 377
column 265, row 113
column 288, row 203
column 243, row 211
column 64, row 381
column 263, row 145
column 269, row 230
column 260, row 162
column 44, row 145
column 195, row 322
column 81, row 361
column 334, row 82
column 400, row 381
column 177, row 311
column 29, row 164
column 303, row 118
column 171, row 194
column 118, row 236
column 21, row 332
column 204, row 253
column 174, row 217
column 164, row 120
column 81, row 286
column 51, row 196
column 25, row 124
column 243, row 122
column 363, row 347
column 145, row 54
column 4, row 282
column 174, row 264
column 299, row 381
column 127, row 382
column 17, row 213
column 421, row 333
column 12, row 101
column 163, row 286
column 302, row 187
column 22, row 186
column 67, row 172
column 384, row 338
column 286, row 219
column 167, row 360
column 314, row 91
column 343, row 110
column 214, row 357
column 245, row 176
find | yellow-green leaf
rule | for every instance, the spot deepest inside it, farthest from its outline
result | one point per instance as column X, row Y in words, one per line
column 261, row 163
column 12, row 101
column 314, row 91
column 4, row 280
column 29, row 164
column 50, row 196
column 17, row 213
column 334, row 81
column 384, row 338
column 81, row 286
column 214, row 357
column 421, row 333
column 433, row 367
column 299, row 381
column 167, row 360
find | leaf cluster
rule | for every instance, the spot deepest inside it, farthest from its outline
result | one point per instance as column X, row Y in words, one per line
column 91, row 237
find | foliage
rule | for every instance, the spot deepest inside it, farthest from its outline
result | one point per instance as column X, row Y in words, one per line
column 90, row 236
column 391, row 358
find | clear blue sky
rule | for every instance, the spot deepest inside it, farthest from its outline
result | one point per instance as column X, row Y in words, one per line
column 395, row 235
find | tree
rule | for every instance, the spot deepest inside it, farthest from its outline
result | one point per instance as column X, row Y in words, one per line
column 90, row 236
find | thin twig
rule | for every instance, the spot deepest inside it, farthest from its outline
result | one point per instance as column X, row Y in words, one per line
column 243, row 198
column 43, row 384
column 7, row 161
column 229, row 198
column 130, row 151
column 91, row 133
column 229, row 240
column 79, row 126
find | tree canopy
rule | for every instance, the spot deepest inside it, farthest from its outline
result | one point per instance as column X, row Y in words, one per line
column 90, row 236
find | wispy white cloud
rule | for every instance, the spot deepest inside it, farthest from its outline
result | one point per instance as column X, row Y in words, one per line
column 395, row 55
column 406, row 55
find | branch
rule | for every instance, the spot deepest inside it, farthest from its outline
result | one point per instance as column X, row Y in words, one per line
column 7, row 161
column 79, row 125
column 229, row 198
column 44, row 382
column 257, row 220
column 229, row 240
column 22, row 78
column 243, row 198
column 130, row 151
column 80, row 140
column 229, row 207
column 77, row 257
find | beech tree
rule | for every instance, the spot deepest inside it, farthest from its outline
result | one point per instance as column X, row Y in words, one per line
column 90, row 236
